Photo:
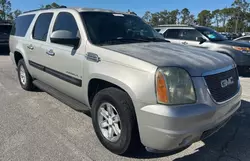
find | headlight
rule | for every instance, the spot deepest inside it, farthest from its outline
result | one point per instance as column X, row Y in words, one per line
column 242, row 49
column 174, row 86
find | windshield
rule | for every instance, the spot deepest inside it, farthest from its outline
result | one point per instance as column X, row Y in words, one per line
column 110, row 28
column 211, row 34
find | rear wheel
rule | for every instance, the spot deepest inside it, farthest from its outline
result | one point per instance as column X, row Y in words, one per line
column 114, row 120
column 24, row 77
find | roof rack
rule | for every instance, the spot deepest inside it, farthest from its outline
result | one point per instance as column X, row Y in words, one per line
column 41, row 9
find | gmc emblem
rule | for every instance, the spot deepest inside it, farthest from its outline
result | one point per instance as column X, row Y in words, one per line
column 226, row 82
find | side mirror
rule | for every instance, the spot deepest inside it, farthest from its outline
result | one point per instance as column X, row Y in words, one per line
column 65, row 38
column 201, row 40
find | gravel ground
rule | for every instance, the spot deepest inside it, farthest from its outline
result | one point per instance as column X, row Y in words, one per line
column 35, row 126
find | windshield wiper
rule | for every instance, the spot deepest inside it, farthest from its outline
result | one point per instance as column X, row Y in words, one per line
column 155, row 39
column 120, row 40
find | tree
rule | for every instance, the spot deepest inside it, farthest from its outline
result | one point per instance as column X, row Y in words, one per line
column 173, row 16
column 52, row 5
column 191, row 20
column 13, row 15
column 147, row 17
column 225, row 15
column 163, row 17
column 5, row 7
column 185, row 13
column 204, row 18
column 241, row 8
column 217, row 16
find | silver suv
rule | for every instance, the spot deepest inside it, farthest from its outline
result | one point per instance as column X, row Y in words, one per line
column 207, row 38
column 138, row 87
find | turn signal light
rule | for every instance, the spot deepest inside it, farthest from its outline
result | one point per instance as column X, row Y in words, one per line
column 161, row 88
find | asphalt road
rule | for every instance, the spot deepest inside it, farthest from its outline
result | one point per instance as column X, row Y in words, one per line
column 35, row 126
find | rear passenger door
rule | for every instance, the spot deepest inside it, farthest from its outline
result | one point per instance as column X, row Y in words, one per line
column 173, row 35
column 64, row 64
column 37, row 58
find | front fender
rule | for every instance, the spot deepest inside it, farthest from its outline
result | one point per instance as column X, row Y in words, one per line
column 114, row 81
column 140, row 85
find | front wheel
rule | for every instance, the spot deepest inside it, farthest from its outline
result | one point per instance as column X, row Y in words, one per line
column 114, row 120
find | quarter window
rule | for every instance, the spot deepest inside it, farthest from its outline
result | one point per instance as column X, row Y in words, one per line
column 66, row 21
column 41, row 28
column 21, row 25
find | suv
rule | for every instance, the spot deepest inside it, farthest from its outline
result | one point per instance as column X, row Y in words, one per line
column 204, row 37
column 5, row 28
column 138, row 87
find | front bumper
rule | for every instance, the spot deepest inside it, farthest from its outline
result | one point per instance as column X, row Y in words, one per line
column 167, row 128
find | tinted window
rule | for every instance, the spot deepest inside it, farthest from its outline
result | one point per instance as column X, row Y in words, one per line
column 245, row 38
column 21, row 25
column 66, row 21
column 212, row 35
column 158, row 30
column 5, row 29
column 41, row 28
column 190, row 35
column 172, row 33
column 113, row 28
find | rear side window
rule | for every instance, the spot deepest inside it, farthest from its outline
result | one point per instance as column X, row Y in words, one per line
column 66, row 21
column 172, row 33
column 245, row 38
column 21, row 25
column 41, row 28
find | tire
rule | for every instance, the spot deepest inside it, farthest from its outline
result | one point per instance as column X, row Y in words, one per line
column 27, row 84
column 129, row 135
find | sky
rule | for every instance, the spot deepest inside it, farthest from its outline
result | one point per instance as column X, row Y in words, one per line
column 138, row 6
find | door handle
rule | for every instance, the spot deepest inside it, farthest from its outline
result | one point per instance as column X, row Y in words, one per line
column 50, row 52
column 93, row 57
column 184, row 43
column 30, row 47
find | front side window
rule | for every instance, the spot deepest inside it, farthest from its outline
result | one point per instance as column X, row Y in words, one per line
column 211, row 34
column 112, row 28
column 172, row 33
column 190, row 34
column 40, row 31
column 66, row 21
column 21, row 25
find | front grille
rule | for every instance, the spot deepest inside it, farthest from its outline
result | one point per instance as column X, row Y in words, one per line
column 223, row 86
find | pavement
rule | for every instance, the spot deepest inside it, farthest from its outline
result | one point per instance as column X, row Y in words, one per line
column 34, row 126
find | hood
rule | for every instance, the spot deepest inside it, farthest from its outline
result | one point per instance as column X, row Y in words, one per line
column 195, row 60
column 233, row 43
